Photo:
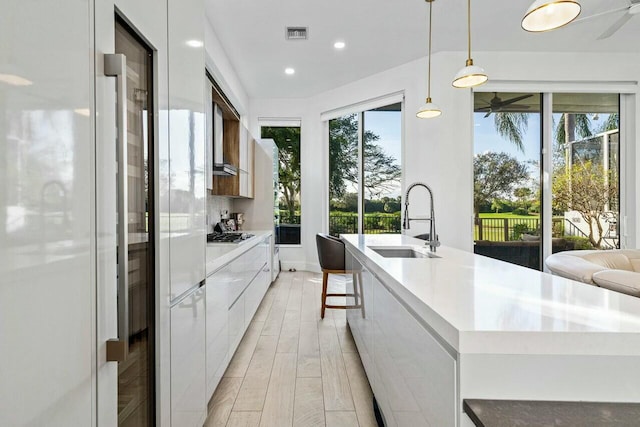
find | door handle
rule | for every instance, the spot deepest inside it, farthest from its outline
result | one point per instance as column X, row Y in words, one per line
column 115, row 65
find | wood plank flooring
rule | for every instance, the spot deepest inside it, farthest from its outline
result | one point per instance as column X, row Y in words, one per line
column 292, row 368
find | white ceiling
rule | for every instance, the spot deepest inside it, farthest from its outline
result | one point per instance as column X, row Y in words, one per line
column 382, row 34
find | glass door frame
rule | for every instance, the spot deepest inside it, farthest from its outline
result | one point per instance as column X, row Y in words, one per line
column 546, row 91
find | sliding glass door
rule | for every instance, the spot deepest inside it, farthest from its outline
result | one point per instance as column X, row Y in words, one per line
column 586, row 190
column 365, row 151
column 584, row 170
column 506, row 181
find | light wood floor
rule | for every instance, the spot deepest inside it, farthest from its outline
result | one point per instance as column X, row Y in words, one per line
column 292, row 368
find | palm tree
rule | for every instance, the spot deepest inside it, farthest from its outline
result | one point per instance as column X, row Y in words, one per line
column 512, row 126
column 569, row 125
column 612, row 123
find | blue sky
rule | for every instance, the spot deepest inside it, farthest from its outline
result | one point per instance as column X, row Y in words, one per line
column 388, row 126
column 487, row 139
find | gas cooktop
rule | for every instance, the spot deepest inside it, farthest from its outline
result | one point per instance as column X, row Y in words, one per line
column 227, row 237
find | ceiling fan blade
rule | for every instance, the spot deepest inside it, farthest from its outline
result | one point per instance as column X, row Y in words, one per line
column 488, row 114
column 516, row 99
column 513, row 108
column 607, row 12
column 616, row 26
column 479, row 109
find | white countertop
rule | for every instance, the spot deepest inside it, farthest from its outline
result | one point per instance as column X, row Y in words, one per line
column 481, row 305
column 219, row 254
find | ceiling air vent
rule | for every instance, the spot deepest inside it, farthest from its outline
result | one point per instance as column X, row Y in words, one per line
column 297, row 33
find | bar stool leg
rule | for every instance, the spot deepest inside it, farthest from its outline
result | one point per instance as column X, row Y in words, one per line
column 325, row 278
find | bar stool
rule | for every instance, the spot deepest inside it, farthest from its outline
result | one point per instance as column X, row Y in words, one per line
column 331, row 257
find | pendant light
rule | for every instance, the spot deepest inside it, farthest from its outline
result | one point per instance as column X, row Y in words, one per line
column 471, row 75
column 429, row 110
column 546, row 15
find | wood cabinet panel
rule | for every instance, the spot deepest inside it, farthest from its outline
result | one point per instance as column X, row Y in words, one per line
column 239, row 150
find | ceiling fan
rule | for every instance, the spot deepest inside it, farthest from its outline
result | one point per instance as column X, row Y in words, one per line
column 632, row 9
column 496, row 104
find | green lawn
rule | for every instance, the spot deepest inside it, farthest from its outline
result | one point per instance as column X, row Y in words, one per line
column 507, row 215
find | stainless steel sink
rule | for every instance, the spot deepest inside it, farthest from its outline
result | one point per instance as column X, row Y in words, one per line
column 403, row 252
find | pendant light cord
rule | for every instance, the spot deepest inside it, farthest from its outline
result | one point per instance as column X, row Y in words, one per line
column 429, row 76
column 469, row 26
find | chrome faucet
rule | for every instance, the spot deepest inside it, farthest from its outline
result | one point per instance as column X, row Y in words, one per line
column 433, row 237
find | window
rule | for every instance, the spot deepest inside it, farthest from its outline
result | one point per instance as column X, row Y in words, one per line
column 288, row 211
column 508, row 195
column 365, row 171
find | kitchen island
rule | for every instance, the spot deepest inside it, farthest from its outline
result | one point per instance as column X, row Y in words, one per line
column 461, row 326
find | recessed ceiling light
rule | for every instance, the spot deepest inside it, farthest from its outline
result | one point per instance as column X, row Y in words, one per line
column 14, row 80
column 339, row 45
column 194, row 43
column 289, row 71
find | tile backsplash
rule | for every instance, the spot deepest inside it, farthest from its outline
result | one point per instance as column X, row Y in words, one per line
column 215, row 204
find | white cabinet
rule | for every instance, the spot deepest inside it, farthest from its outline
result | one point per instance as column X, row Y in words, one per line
column 360, row 322
column 245, row 167
column 188, row 389
column 236, row 324
column 412, row 376
column 416, row 373
column 234, row 293
column 217, row 327
column 245, row 291
column 186, row 144
column 47, row 232
column 258, row 287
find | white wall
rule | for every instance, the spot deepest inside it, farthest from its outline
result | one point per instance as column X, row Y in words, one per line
column 438, row 152
column 218, row 64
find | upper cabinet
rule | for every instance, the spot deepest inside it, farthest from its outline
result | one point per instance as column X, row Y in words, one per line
column 230, row 147
column 187, row 194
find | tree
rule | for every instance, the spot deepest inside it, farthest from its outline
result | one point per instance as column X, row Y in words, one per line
column 588, row 190
column 287, row 140
column 611, row 123
column 512, row 126
column 498, row 205
column 495, row 176
column 571, row 124
column 381, row 171
column 524, row 196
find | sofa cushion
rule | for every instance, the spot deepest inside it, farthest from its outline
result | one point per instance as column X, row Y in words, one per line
column 626, row 282
column 572, row 267
column 614, row 260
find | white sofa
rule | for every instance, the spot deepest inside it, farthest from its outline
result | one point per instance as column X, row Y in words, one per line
column 618, row 270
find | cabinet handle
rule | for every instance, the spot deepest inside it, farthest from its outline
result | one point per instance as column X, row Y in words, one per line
column 115, row 65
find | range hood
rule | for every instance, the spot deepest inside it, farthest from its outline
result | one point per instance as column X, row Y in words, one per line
column 220, row 167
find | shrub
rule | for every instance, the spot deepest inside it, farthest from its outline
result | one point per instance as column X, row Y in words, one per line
column 520, row 211
column 579, row 242
column 518, row 230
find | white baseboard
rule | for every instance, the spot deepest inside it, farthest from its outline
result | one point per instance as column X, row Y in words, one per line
column 300, row 266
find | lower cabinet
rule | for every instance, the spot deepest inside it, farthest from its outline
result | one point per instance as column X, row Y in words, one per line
column 234, row 293
column 188, row 391
column 253, row 296
column 236, row 324
column 217, row 328
column 207, row 327
column 412, row 376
